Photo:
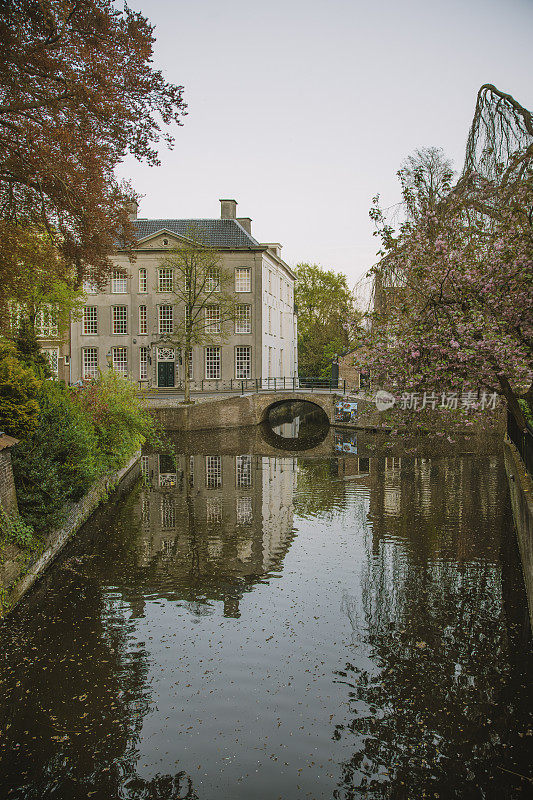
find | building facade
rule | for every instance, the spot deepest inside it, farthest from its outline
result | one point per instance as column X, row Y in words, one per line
column 130, row 324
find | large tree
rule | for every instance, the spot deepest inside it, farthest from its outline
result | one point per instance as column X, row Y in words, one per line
column 204, row 304
column 324, row 301
column 78, row 92
column 455, row 285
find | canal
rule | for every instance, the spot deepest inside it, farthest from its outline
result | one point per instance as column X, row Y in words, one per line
column 252, row 622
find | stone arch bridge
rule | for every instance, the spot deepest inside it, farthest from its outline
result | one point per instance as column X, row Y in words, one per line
column 235, row 411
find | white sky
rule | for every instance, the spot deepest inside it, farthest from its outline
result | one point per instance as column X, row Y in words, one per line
column 302, row 110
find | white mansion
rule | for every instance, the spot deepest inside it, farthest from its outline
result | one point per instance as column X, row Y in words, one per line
column 129, row 325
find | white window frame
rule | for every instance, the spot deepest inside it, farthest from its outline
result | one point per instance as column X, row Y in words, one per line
column 243, row 318
column 119, row 320
column 244, row 510
column 213, row 472
column 143, row 280
column 143, row 321
column 89, row 363
column 243, row 362
column 90, row 321
column 243, row 279
column 119, row 282
column 243, row 471
column 46, row 326
column 165, row 319
column 89, row 288
column 212, row 319
column 212, row 283
column 165, row 279
column 213, row 363
column 119, row 356
column 143, row 363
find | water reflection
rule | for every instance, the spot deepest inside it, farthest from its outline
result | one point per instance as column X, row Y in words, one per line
column 295, row 426
column 243, row 625
column 214, row 524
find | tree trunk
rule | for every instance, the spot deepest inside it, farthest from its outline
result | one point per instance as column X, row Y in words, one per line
column 512, row 403
column 187, row 384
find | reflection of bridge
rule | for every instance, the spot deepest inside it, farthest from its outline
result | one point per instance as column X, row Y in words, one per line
column 237, row 411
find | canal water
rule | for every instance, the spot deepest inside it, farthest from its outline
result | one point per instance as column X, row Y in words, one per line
column 262, row 623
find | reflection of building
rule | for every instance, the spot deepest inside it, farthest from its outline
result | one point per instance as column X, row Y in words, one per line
column 442, row 503
column 214, row 524
column 133, row 320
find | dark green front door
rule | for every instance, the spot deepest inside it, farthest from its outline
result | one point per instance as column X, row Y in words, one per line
column 165, row 373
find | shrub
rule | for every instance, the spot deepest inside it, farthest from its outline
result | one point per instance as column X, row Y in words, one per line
column 58, row 462
column 19, row 388
column 121, row 422
column 14, row 529
column 29, row 350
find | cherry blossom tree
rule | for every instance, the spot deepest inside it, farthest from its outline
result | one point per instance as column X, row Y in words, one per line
column 454, row 287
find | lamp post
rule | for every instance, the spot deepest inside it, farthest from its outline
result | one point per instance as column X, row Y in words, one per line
column 109, row 358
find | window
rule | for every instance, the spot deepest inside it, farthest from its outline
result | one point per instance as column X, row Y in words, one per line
column 269, row 320
column 168, row 512
column 243, row 319
column 243, row 362
column 270, row 281
column 166, row 319
column 143, row 363
column 90, row 320
column 143, row 281
column 281, row 325
column 244, row 510
column 243, row 471
column 145, row 466
column 166, row 281
column 119, row 282
column 89, row 366
column 212, row 363
column 120, row 319
column 120, row 360
column 212, row 283
column 213, row 511
column 46, row 322
column 213, row 472
column 143, row 320
column 89, row 288
column 189, row 365
column 243, row 279
column 52, row 354
column 212, row 319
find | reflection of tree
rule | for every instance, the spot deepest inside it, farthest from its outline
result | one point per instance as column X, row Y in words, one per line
column 445, row 709
column 316, row 491
column 75, row 697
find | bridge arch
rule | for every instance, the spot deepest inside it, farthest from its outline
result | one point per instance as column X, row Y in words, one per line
column 264, row 403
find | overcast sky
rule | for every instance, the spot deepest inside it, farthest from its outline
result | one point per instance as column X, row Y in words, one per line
column 302, row 110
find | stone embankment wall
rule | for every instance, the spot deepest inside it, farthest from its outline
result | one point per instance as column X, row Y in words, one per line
column 17, row 574
column 521, row 490
column 8, row 496
column 240, row 411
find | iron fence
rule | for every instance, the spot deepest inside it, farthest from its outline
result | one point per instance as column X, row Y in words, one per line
column 522, row 440
column 243, row 386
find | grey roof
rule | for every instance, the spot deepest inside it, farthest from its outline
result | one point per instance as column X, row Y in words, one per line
column 213, row 232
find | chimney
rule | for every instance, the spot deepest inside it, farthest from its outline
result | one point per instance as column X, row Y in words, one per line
column 228, row 209
column 132, row 206
column 246, row 223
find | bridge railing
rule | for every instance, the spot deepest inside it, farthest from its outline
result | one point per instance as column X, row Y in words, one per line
column 242, row 386
column 523, row 441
